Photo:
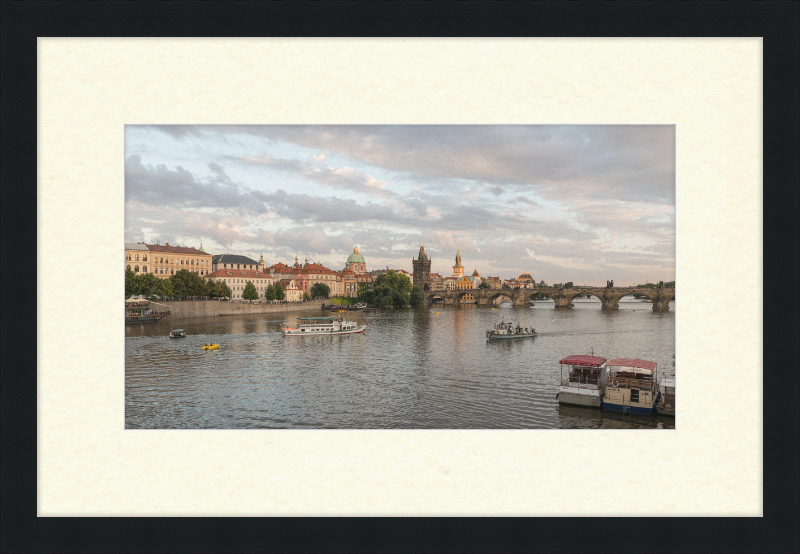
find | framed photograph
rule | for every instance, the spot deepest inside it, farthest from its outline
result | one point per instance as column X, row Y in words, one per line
column 118, row 117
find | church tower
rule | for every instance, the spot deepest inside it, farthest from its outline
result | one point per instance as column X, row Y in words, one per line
column 261, row 261
column 458, row 269
column 422, row 270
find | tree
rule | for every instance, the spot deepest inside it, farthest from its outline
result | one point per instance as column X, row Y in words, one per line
column 506, row 286
column 130, row 283
column 280, row 294
column 250, row 293
column 569, row 285
column 483, row 285
column 270, row 294
column 305, row 296
column 397, row 281
column 187, row 283
column 542, row 283
column 221, row 289
column 320, row 290
column 416, row 297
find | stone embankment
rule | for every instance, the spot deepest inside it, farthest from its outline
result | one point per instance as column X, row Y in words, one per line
column 211, row 308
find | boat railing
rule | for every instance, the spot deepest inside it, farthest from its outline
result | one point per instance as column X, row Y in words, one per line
column 590, row 385
column 630, row 383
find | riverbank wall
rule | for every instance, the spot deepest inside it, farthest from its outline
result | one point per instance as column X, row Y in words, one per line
column 212, row 308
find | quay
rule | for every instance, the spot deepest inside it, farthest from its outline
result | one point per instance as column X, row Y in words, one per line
column 211, row 308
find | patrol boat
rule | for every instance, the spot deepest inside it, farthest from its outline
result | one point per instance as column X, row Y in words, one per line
column 322, row 326
column 503, row 331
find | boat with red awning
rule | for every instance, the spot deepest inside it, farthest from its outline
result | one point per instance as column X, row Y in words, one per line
column 631, row 386
column 585, row 382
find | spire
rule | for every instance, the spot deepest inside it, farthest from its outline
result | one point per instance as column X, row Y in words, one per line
column 458, row 257
column 261, row 260
column 422, row 255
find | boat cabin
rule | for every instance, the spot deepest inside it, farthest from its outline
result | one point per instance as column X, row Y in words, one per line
column 585, row 372
column 631, row 386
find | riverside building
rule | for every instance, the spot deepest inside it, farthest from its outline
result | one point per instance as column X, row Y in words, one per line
column 166, row 260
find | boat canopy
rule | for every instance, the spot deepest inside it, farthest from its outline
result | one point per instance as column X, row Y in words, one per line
column 129, row 300
column 590, row 361
column 177, row 330
column 313, row 318
column 634, row 363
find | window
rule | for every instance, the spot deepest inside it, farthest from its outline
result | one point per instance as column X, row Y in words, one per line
column 237, row 266
column 136, row 269
column 634, row 395
column 192, row 262
column 162, row 260
column 128, row 257
column 145, row 258
column 224, row 266
column 144, row 269
column 172, row 271
column 137, row 257
column 162, row 271
column 128, row 267
column 181, row 262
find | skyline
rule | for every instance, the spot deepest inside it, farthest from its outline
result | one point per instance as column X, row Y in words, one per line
column 563, row 203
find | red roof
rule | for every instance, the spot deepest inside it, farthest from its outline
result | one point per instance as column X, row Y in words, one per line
column 590, row 361
column 633, row 362
column 175, row 249
column 240, row 273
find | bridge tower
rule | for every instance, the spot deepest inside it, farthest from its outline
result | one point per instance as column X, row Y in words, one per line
column 422, row 269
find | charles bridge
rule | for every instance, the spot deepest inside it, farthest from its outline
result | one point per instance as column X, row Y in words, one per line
column 609, row 296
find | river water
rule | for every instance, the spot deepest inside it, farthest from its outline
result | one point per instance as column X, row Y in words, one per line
column 410, row 369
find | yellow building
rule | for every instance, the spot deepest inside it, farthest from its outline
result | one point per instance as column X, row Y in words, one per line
column 166, row 260
column 293, row 292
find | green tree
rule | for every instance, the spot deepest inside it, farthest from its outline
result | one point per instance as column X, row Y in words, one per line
column 416, row 297
column 305, row 296
column 542, row 283
column 222, row 290
column 397, row 281
column 187, row 283
column 506, row 286
column 130, row 283
column 569, row 285
column 151, row 287
column 280, row 294
column 270, row 294
column 484, row 285
column 320, row 290
column 250, row 293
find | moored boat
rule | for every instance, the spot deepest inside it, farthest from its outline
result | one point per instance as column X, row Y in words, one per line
column 323, row 326
column 586, row 380
column 631, row 386
column 177, row 334
column 141, row 310
column 666, row 401
column 504, row 331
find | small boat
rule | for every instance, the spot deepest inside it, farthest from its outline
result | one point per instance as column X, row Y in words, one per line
column 323, row 326
column 666, row 401
column 210, row 347
column 494, row 309
column 503, row 331
column 435, row 313
column 177, row 334
column 631, row 387
column 586, row 380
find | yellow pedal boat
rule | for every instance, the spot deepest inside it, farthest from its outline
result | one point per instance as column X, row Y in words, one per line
column 211, row 347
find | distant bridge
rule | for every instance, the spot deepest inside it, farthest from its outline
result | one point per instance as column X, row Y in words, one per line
column 609, row 297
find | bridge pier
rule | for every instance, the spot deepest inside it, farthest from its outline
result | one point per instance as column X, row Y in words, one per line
column 609, row 303
column 562, row 302
column 661, row 304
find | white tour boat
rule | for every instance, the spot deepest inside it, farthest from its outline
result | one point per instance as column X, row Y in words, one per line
column 631, row 386
column 586, row 380
column 323, row 326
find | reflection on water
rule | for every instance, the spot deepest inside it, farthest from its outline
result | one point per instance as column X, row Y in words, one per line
column 410, row 369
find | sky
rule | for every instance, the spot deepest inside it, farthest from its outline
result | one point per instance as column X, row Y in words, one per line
column 564, row 203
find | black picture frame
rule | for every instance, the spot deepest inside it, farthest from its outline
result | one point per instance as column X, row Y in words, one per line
column 776, row 22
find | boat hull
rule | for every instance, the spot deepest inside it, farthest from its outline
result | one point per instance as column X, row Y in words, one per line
column 508, row 337
column 322, row 333
column 590, row 399
column 666, row 411
column 640, row 410
column 133, row 319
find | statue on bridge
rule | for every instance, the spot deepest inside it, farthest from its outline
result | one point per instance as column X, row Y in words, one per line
column 610, row 284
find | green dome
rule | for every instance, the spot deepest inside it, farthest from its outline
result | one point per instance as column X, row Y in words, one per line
column 355, row 257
